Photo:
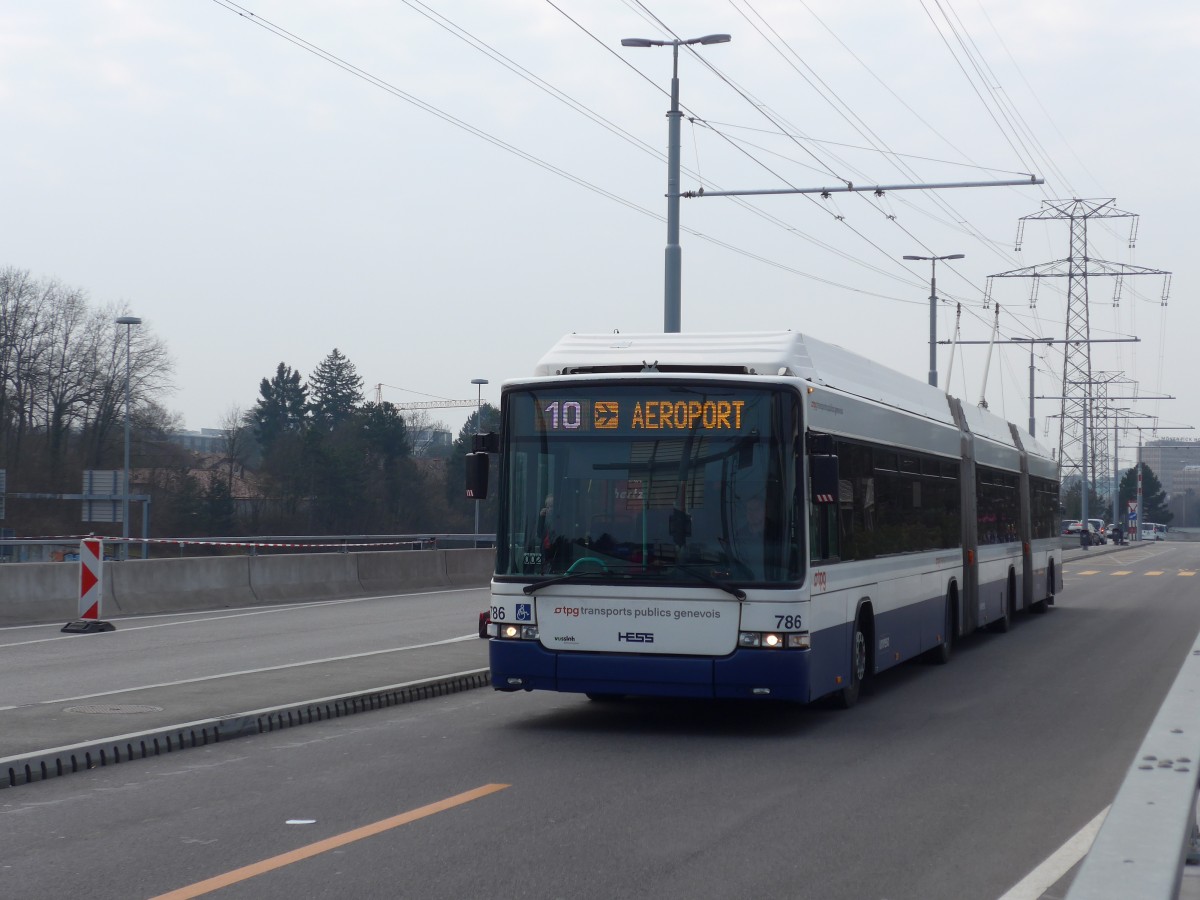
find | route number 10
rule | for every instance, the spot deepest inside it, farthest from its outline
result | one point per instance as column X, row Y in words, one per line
column 566, row 414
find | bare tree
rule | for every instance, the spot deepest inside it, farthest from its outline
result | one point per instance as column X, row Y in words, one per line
column 421, row 426
column 62, row 376
column 150, row 369
column 237, row 441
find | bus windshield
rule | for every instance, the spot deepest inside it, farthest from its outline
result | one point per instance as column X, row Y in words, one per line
column 662, row 482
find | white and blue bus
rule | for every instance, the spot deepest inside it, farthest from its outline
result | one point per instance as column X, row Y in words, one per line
column 755, row 515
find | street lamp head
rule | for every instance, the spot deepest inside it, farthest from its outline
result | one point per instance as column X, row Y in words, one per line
column 129, row 320
column 647, row 42
column 955, row 256
column 479, row 381
column 918, row 257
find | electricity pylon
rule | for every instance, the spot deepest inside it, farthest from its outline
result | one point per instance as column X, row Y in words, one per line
column 1078, row 396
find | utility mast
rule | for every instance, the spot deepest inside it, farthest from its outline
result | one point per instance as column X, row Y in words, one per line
column 1079, row 411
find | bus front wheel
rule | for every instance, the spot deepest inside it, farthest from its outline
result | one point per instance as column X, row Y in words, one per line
column 847, row 696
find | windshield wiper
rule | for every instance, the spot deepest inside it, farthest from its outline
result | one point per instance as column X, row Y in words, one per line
column 610, row 573
column 715, row 582
column 566, row 576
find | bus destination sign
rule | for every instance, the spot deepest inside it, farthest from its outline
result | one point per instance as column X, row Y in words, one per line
column 638, row 415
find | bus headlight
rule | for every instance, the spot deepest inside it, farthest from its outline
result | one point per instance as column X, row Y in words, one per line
column 773, row 640
column 511, row 631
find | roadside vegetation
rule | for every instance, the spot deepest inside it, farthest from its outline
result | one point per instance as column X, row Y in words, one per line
column 311, row 456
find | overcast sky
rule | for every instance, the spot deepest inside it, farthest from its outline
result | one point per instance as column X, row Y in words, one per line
column 491, row 175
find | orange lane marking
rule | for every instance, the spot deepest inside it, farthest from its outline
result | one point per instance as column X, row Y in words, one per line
column 1154, row 573
column 1184, row 574
column 1088, row 572
column 330, row 843
column 1124, row 572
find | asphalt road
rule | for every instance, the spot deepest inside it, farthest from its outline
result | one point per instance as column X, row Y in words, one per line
column 148, row 649
column 945, row 782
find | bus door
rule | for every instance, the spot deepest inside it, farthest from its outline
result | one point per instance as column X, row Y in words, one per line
column 1024, row 521
column 969, row 612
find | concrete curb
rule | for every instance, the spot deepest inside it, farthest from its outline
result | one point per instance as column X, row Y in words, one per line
column 43, row 764
column 1078, row 553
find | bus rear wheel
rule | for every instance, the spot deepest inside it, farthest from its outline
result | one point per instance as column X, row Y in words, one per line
column 1004, row 623
column 940, row 655
column 1041, row 606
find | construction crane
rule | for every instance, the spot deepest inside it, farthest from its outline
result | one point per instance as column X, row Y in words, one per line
column 440, row 403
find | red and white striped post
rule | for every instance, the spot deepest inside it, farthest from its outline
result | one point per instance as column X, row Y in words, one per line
column 91, row 589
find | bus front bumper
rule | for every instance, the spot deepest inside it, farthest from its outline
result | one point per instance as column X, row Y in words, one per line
column 744, row 674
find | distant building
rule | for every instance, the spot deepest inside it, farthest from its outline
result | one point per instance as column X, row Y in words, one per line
column 432, row 442
column 206, row 440
column 1170, row 459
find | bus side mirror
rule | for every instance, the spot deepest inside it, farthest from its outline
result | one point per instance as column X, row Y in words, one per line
column 823, row 478
column 477, row 476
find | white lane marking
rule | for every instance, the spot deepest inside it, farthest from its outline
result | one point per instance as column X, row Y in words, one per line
column 295, row 665
column 204, row 617
column 1057, row 864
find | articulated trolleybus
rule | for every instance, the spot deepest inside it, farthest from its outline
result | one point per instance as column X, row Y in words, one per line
column 751, row 516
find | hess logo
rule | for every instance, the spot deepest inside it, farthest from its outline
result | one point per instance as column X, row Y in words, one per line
column 636, row 637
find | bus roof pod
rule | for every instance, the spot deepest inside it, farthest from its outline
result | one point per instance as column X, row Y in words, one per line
column 787, row 353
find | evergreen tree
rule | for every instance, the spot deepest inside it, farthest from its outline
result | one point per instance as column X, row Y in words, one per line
column 1154, row 498
column 336, row 390
column 384, row 433
column 394, row 486
column 280, row 408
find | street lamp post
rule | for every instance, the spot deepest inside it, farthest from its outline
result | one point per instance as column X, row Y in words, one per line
column 933, row 260
column 674, row 254
column 128, row 322
column 479, row 383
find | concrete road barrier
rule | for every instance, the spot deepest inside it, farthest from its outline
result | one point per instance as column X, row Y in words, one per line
column 308, row 576
column 34, row 593
column 168, row 585
column 38, row 592
column 469, row 566
column 379, row 573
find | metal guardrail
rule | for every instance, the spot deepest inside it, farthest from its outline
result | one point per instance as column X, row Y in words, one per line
column 1151, row 829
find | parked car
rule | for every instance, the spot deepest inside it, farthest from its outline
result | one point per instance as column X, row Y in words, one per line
column 1099, row 532
column 1151, row 534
